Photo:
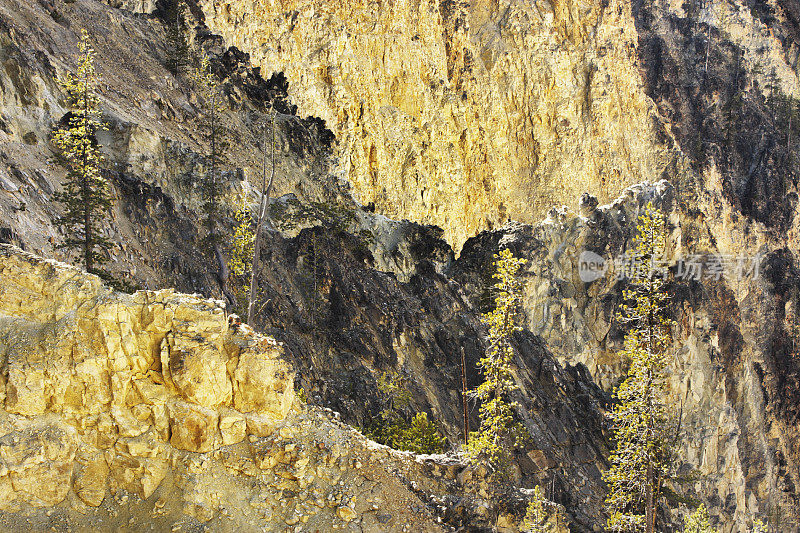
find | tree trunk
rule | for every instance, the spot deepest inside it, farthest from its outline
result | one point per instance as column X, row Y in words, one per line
column 87, row 216
column 223, row 274
column 263, row 214
column 650, row 512
column 464, row 396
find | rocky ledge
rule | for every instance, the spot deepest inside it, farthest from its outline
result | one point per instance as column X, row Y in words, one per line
column 155, row 411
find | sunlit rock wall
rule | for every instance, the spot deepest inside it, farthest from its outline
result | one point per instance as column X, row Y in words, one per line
column 151, row 412
column 463, row 114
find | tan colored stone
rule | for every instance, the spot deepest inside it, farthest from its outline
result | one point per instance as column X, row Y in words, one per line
column 89, row 390
column 232, row 427
column 112, row 423
column 151, row 392
column 127, row 424
column 197, row 370
column 202, row 513
column 40, row 461
column 90, row 480
column 194, row 428
column 255, row 368
column 346, row 513
column 25, row 391
column 138, row 475
column 467, row 114
column 7, row 495
column 105, row 431
column 145, row 445
column 155, row 470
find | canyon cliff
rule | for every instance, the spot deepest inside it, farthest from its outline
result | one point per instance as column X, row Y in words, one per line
column 470, row 119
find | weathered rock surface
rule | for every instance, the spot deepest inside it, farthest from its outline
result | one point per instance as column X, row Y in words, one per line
column 350, row 293
column 733, row 381
column 153, row 147
column 96, row 434
column 464, row 114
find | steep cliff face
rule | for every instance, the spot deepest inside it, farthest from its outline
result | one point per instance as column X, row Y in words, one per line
column 539, row 102
column 154, row 149
column 731, row 375
column 464, row 114
column 149, row 412
column 350, row 293
column 460, row 113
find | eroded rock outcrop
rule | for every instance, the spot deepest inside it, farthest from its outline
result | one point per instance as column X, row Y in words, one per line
column 734, row 387
column 466, row 113
column 463, row 114
column 148, row 411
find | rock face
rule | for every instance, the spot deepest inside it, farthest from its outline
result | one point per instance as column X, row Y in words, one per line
column 149, row 412
column 460, row 113
column 464, row 114
column 153, row 148
column 349, row 293
column 513, row 107
column 732, row 380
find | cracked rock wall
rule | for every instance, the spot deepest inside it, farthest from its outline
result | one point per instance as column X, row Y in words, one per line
column 463, row 114
column 149, row 412
column 732, row 382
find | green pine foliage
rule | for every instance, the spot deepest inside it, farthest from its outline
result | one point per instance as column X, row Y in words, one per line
column 498, row 430
column 537, row 515
column 302, row 396
column 212, row 128
column 394, row 429
column 240, row 257
column 697, row 522
column 177, row 43
column 642, row 460
column 85, row 196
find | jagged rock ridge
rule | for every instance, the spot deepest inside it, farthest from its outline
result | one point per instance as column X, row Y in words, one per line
column 384, row 297
column 151, row 412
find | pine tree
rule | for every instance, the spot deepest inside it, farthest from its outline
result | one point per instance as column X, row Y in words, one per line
column 498, row 429
column 643, row 428
column 211, row 187
column 393, row 427
column 177, row 44
column 85, row 196
column 215, row 133
column 697, row 522
column 240, row 261
column 535, row 520
column 772, row 87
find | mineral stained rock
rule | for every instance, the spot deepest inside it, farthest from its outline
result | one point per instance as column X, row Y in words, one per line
column 99, row 431
column 460, row 113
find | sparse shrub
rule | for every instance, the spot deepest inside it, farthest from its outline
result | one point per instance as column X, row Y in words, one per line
column 697, row 522
column 537, row 516
column 394, row 429
column 302, row 396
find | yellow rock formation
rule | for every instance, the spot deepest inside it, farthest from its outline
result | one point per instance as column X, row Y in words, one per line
column 463, row 114
column 99, row 382
column 152, row 409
